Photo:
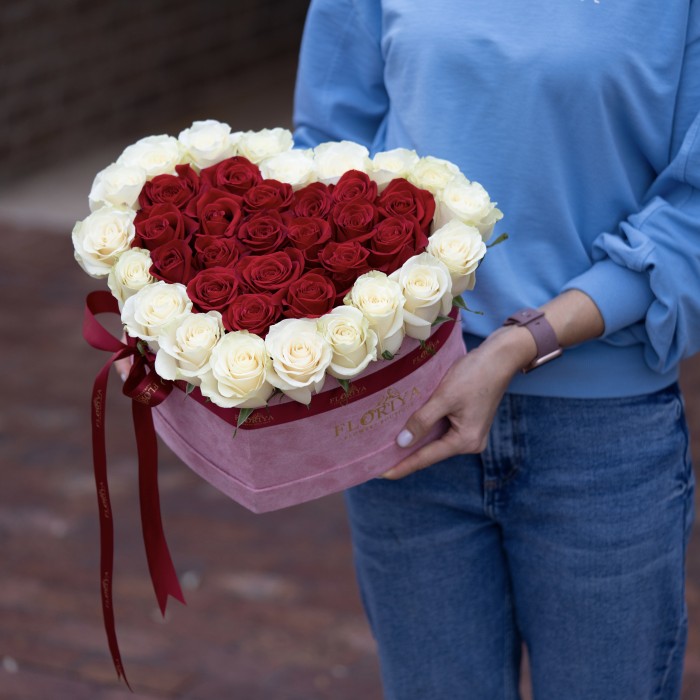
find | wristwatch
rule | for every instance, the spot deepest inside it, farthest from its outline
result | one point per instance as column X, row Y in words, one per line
column 545, row 338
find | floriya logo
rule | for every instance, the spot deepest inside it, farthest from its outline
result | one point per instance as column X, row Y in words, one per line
column 392, row 403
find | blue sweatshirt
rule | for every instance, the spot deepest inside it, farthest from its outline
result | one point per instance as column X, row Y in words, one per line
column 582, row 120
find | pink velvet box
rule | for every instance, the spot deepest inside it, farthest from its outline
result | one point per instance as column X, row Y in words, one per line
column 276, row 463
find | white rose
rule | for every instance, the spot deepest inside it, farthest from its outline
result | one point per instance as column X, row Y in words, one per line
column 257, row 146
column 353, row 342
column 296, row 168
column 157, row 155
column 117, row 185
column 239, row 372
column 184, row 350
column 337, row 157
column 300, row 357
column 460, row 247
column 388, row 165
column 433, row 174
column 154, row 308
column 427, row 287
column 381, row 301
column 208, row 142
column 469, row 202
column 130, row 273
column 99, row 239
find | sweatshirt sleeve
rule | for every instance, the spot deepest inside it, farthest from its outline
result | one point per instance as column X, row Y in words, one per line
column 340, row 91
column 645, row 278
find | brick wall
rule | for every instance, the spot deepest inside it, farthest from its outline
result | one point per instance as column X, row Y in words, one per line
column 77, row 72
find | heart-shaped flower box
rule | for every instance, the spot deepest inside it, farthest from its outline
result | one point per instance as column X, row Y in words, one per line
column 288, row 454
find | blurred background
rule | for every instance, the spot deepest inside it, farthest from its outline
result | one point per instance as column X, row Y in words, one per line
column 273, row 612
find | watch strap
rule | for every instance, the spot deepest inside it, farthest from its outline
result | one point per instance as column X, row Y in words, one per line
column 545, row 338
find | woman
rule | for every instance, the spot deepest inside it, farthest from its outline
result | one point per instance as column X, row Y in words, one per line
column 556, row 510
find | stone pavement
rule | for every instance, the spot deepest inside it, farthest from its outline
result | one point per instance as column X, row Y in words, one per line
column 272, row 613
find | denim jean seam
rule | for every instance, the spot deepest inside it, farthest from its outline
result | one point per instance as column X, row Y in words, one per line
column 681, row 630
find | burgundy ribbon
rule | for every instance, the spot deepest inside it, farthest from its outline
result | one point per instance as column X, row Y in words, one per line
column 146, row 389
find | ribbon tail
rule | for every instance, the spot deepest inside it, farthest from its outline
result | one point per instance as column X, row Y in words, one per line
column 160, row 563
column 99, row 456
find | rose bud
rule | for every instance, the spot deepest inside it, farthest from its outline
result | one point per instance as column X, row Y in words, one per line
column 311, row 296
column 218, row 212
column 354, row 220
column 426, row 285
column 236, row 175
column 239, row 372
column 272, row 272
column 171, row 189
column 269, row 194
column 313, row 200
column 213, row 289
column 345, row 262
column 300, row 356
column 354, row 185
column 252, row 312
column 381, row 301
column 172, row 262
column 401, row 198
column 263, row 233
column 160, row 224
column 309, row 234
column 394, row 241
column 216, row 251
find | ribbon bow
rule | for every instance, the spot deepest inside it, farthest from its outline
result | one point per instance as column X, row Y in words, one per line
column 146, row 389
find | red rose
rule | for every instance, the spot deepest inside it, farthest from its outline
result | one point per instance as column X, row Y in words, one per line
column 345, row 262
column 354, row 220
column 236, row 175
column 252, row 312
column 160, row 224
column 354, row 185
column 272, row 272
column 218, row 212
column 263, row 233
column 172, row 262
column 269, row 194
column 311, row 296
column 400, row 197
column 309, row 234
column 170, row 189
column 213, row 289
column 394, row 241
column 313, row 200
column 216, row 251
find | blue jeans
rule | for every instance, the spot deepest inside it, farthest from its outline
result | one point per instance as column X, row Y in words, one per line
column 568, row 534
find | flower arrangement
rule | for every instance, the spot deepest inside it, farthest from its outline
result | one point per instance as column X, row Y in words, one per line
column 244, row 268
column 249, row 267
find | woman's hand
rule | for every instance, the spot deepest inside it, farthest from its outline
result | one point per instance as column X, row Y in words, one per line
column 468, row 397
column 470, row 392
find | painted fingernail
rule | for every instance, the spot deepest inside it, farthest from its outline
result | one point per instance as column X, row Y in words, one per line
column 404, row 438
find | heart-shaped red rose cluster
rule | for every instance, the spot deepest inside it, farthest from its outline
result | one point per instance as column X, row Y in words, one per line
column 257, row 251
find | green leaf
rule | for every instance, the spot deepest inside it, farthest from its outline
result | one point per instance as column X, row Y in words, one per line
column 427, row 348
column 189, row 389
column 459, row 303
column 441, row 319
column 243, row 415
column 386, row 355
column 345, row 383
column 142, row 347
column 500, row 239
